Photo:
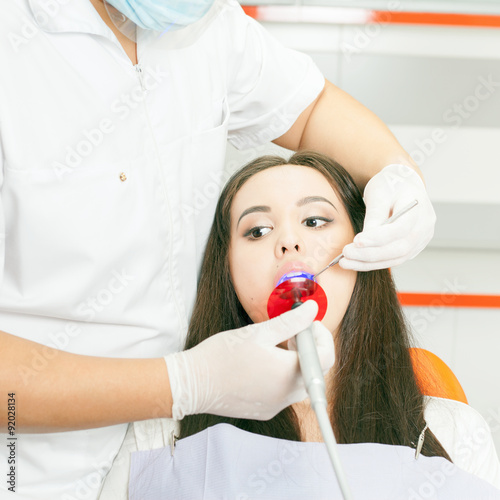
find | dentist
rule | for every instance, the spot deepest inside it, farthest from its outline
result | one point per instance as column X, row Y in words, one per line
column 114, row 118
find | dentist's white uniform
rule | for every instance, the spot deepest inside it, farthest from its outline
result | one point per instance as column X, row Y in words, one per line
column 109, row 177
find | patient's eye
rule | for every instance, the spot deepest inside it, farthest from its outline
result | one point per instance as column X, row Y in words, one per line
column 316, row 221
column 257, row 232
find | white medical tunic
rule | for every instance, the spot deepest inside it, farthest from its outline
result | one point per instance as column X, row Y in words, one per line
column 110, row 173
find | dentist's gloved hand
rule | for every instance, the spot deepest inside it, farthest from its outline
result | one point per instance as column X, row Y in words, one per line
column 379, row 247
column 241, row 373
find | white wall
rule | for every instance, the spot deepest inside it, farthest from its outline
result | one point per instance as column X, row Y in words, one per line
column 417, row 79
column 466, row 339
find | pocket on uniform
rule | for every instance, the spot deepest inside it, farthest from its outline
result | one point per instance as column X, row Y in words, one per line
column 217, row 116
column 207, row 155
column 194, row 170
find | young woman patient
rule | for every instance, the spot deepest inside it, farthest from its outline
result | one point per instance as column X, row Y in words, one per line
column 275, row 216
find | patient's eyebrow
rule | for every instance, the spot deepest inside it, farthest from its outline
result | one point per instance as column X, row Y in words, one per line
column 251, row 210
column 312, row 199
column 300, row 203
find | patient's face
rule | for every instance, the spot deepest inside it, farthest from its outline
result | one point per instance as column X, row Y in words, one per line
column 288, row 218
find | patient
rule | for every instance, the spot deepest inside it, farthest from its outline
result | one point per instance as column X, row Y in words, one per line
column 278, row 215
column 274, row 214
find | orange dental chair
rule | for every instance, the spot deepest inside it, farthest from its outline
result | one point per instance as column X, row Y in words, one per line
column 434, row 377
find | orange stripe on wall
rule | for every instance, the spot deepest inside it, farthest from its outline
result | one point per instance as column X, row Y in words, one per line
column 251, row 11
column 476, row 20
column 448, row 300
column 341, row 15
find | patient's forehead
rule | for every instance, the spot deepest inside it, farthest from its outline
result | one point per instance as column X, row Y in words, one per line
column 282, row 183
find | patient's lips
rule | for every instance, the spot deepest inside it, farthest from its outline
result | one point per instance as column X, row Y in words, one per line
column 290, row 267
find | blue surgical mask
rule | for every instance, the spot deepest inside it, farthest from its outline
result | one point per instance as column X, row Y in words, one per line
column 162, row 15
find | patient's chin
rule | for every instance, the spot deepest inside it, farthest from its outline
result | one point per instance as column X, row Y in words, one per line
column 257, row 314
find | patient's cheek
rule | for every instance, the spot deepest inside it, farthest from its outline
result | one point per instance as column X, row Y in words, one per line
column 255, row 307
column 339, row 285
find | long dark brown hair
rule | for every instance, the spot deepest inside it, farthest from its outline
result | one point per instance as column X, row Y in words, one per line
column 375, row 397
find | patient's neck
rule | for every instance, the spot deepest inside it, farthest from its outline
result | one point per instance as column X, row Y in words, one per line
column 308, row 424
column 309, row 428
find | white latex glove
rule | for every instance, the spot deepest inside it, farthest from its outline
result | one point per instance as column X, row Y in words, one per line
column 241, row 373
column 379, row 247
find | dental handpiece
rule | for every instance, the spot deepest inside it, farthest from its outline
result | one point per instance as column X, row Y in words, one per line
column 310, row 365
column 392, row 218
column 314, row 381
column 290, row 291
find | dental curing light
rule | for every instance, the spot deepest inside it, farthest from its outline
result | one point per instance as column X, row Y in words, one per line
column 292, row 289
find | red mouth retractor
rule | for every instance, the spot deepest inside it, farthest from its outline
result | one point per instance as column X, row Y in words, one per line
column 293, row 287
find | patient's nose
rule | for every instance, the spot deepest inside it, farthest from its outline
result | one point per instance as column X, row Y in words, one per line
column 289, row 243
